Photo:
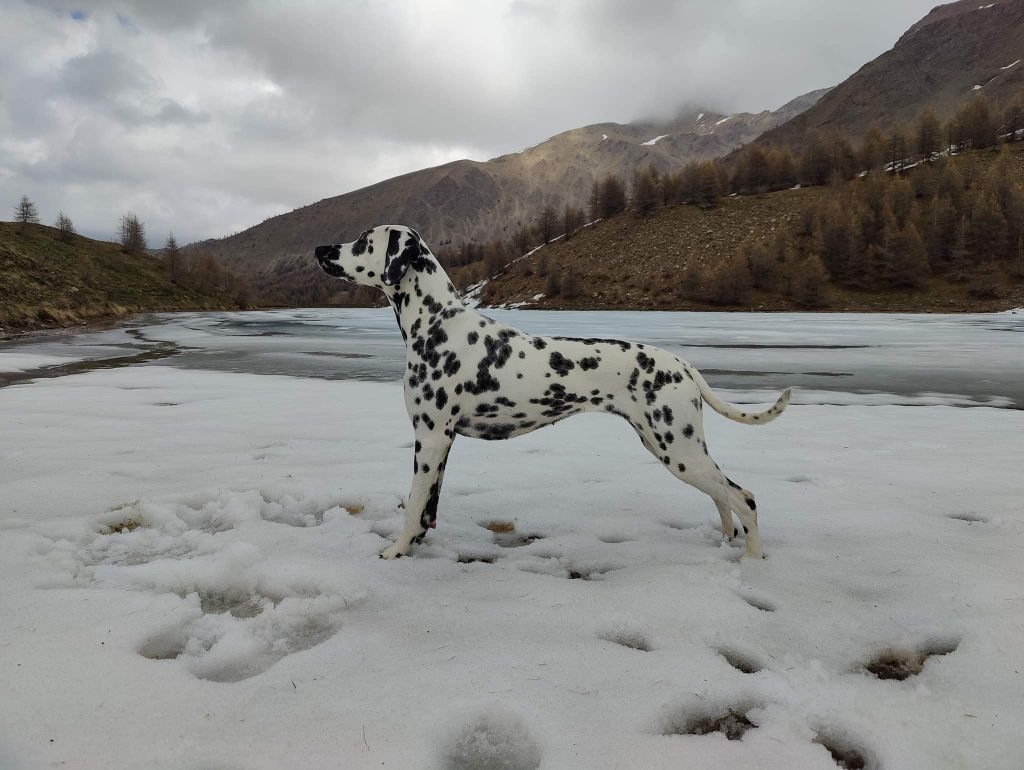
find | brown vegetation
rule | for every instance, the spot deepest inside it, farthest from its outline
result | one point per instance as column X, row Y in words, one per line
column 947, row 233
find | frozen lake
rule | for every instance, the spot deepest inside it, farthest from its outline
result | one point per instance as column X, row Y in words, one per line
column 830, row 358
column 192, row 505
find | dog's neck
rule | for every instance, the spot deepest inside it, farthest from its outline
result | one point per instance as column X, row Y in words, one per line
column 435, row 292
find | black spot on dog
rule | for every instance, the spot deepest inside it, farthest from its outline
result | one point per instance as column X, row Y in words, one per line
column 472, row 338
column 646, row 362
column 393, row 242
column 538, row 343
column 560, row 364
column 688, row 431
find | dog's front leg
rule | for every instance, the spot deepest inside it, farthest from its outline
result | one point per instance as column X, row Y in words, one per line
column 421, row 507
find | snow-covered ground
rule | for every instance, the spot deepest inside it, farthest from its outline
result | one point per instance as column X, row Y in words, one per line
column 188, row 578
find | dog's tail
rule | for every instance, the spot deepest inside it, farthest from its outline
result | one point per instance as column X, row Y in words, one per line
column 736, row 413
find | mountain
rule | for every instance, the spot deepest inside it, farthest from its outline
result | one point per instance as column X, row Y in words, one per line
column 957, row 50
column 47, row 282
column 757, row 252
column 468, row 199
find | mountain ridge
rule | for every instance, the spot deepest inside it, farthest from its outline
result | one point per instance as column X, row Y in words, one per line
column 955, row 51
column 466, row 200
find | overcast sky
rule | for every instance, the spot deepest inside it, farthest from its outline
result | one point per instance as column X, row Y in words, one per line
column 206, row 116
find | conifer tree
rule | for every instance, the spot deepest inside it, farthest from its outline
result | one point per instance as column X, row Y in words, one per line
column 547, row 225
column 987, row 232
column 25, row 213
column 873, row 148
column 172, row 256
column 132, row 234
column 929, row 134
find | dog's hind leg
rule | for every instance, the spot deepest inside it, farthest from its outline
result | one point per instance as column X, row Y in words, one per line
column 729, row 530
column 703, row 474
column 743, row 503
column 427, row 475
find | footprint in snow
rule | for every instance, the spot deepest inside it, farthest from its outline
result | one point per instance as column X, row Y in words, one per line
column 757, row 602
column 626, row 635
column 731, row 721
column 843, row 753
column 232, row 638
column 970, row 518
column 900, row 664
column 743, row 663
column 494, row 740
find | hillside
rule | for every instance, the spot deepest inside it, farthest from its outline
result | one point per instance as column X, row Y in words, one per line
column 957, row 50
column 46, row 282
column 467, row 200
column 684, row 257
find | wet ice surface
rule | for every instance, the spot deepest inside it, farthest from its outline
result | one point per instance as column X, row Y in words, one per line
column 979, row 358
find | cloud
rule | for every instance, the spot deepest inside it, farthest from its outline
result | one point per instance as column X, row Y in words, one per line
column 207, row 117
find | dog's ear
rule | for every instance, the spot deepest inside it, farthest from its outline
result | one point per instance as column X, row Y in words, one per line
column 405, row 250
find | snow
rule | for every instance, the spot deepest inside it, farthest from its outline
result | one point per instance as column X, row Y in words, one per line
column 720, row 122
column 976, row 88
column 655, row 140
column 188, row 578
column 472, row 295
column 603, row 137
column 1008, row 66
column 985, row 7
column 526, row 149
column 699, row 117
column 24, row 362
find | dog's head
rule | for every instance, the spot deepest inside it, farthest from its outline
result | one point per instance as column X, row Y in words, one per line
column 380, row 257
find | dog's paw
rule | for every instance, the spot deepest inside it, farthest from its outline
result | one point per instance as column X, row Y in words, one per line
column 394, row 552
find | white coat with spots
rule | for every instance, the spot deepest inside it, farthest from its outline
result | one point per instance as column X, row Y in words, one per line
column 468, row 375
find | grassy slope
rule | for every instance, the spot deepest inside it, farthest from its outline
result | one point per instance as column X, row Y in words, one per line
column 45, row 282
column 632, row 262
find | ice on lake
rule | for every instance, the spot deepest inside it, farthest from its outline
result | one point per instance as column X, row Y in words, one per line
column 188, row 571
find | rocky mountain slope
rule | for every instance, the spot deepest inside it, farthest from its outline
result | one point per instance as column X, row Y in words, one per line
column 469, row 199
column 47, row 282
column 956, row 51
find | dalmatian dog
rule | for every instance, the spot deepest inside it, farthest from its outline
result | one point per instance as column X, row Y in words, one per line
column 468, row 375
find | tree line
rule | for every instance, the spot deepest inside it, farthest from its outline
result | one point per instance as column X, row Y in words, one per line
column 920, row 206
column 958, row 217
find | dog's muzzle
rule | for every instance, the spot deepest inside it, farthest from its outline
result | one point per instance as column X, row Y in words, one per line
column 324, row 255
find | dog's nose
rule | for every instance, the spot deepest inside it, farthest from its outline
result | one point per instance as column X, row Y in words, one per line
column 322, row 251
